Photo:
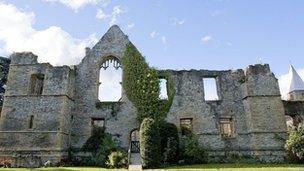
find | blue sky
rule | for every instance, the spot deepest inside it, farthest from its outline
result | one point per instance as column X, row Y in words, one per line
column 199, row 34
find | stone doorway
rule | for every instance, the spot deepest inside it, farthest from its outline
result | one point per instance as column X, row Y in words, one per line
column 135, row 146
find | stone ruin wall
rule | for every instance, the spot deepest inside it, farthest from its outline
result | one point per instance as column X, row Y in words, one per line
column 63, row 113
column 51, row 110
column 250, row 97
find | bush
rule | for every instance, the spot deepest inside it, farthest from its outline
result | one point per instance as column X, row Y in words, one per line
column 149, row 144
column 169, row 141
column 192, row 152
column 100, row 144
column 93, row 143
column 295, row 143
column 118, row 159
column 171, row 152
column 107, row 146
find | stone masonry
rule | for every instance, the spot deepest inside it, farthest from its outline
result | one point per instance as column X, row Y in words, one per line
column 36, row 128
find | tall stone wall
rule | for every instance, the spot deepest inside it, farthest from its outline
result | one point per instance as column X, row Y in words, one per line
column 48, row 138
column 120, row 117
column 264, row 111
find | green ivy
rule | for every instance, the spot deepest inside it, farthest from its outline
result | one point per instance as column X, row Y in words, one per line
column 141, row 84
column 164, row 105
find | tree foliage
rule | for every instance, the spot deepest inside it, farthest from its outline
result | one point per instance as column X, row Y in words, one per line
column 295, row 143
column 149, row 144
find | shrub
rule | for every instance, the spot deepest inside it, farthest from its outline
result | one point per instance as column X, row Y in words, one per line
column 295, row 143
column 171, row 152
column 192, row 152
column 107, row 146
column 169, row 149
column 100, row 144
column 94, row 141
column 117, row 159
column 149, row 144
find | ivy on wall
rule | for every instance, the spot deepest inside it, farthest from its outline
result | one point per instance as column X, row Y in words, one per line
column 164, row 105
column 140, row 83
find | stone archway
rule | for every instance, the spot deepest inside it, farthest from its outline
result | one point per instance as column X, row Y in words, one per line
column 134, row 140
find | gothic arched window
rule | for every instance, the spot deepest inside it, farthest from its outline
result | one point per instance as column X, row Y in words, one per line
column 110, row 77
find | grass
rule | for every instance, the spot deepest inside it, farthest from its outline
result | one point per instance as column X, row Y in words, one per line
column 206, row 167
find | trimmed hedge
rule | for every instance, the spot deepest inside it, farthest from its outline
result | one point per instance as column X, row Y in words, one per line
column 169, row 141
column 171, row 151
column 149, row 144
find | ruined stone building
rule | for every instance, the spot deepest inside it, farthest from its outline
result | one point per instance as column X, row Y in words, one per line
column 48, row 109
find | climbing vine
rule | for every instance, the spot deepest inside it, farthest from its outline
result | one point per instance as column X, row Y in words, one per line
column 141, row 84
column 164, row 105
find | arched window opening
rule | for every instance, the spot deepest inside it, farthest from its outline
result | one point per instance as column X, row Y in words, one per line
column 110, row 77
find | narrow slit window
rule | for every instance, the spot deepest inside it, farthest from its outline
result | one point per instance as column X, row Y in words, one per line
column 210, row 89
column 163, row 95
column 31, row 122
column 110, row 77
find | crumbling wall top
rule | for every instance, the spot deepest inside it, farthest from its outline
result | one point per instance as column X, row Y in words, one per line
column 23, row 58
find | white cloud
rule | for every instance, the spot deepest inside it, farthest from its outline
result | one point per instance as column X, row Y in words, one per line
column 206, row 39
column 76, row 4
column 177, row 22
column 131, row 25
column 112, row 17
column 153, row 34
column 53, row 45
column 101, row 15
column 117, row 11
column 284, row 82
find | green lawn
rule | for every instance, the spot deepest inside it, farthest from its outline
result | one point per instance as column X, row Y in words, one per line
column 207, row 167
